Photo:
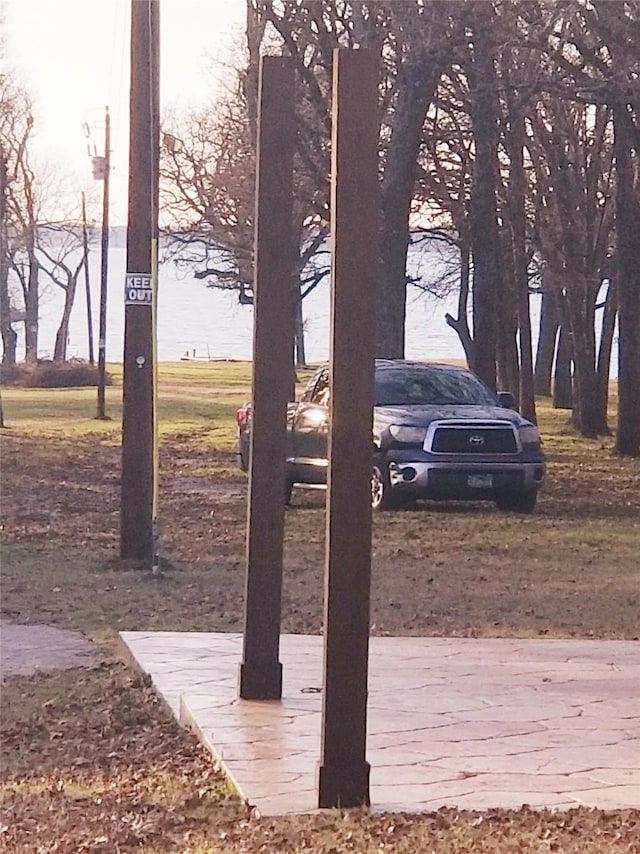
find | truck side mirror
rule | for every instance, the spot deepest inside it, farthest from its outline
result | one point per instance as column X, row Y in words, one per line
column 506, row 399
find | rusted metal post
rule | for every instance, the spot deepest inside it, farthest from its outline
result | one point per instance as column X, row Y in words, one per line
column 261, row 671
column 344, row 772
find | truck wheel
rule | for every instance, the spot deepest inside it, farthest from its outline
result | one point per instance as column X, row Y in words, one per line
column 517, row 502
column 377, row 488
column 382, row 496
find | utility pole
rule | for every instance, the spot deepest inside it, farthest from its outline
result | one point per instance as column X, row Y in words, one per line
column 101, row 167
column 87, row 286
column 5, row 306
column 138, row 508
column 104, row 263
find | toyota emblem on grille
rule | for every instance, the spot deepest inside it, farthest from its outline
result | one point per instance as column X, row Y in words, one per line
column 476, row 440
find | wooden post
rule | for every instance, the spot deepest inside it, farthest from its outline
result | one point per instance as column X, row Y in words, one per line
column 261, row 671
column 343, row 779
column 104, row 266
column 138, row 416
column 87, row 280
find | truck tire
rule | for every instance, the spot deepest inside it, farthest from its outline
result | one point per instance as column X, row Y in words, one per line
column 382, row 496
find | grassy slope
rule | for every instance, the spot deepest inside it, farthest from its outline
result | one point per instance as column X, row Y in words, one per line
column 91, row 762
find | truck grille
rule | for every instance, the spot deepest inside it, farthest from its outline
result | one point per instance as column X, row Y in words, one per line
column 474, row 439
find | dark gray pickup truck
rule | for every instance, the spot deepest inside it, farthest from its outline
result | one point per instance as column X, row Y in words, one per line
column 438, row 433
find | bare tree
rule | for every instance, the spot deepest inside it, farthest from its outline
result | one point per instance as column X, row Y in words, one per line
column 59, row 256
column 16, row 122
column 207, row 184
column 31, row 245
column 21, row 204
column 594, row 51
column 443, row 187
column 493, row 113
column 573, row 150
column 415, row 41
column 618, row 28
column 475, row 165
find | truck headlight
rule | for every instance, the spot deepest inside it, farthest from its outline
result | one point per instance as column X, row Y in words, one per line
column 408, row 435
column 529, row 435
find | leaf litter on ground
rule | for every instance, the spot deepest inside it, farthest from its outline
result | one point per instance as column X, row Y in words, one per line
column 92, row 760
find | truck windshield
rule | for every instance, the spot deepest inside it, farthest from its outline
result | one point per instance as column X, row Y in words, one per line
column 430, row 386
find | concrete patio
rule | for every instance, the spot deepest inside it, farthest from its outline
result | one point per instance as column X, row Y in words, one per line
column 469, row 723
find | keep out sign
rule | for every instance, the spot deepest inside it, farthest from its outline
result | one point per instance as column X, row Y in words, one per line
column 137, row 289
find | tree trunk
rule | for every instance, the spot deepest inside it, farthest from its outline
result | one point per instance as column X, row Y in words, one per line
column 517, row 188
column 31, row 321
column 485, row 243
column 563, row 380
column 254, row 31
column 415, row 96
column 586, row 415
column 547, row 337
column 628, row 283
column 393, row 292
column 609, row 313
column 508, row 378
column 527, row 390
column 9, row 341
column 62, row 335
column 9, row 336
column 460, row 324
column 508, row 361
column 301, row 357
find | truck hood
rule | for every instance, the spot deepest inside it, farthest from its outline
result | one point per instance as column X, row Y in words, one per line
column 422, row 416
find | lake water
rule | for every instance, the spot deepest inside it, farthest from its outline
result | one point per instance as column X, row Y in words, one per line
column 194, row 320
column 210, row 323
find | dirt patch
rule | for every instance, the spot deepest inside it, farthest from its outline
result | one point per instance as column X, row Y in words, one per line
column 220, row 490
column 26, row 650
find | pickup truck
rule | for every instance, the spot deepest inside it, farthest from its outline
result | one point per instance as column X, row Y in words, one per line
column 438, row 433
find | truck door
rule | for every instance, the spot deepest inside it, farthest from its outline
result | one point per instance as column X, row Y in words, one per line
column 310, row 432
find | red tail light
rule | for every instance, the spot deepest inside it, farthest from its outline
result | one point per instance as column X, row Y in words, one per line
column 241, row 416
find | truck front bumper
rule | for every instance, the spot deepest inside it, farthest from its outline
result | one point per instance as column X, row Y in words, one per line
column 466, row 480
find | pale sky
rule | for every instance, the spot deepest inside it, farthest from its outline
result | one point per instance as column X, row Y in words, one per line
column 72, row 57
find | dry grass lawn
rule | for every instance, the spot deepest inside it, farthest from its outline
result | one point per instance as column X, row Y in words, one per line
column 90, row 759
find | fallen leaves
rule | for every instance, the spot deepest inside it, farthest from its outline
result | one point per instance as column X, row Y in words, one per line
column 93, row 762
column 124, row 777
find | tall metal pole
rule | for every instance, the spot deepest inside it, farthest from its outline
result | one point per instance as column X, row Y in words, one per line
column 104, row 265
column 261, row 671
column 87, row 285
column 344, row 772
column 139, row 471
